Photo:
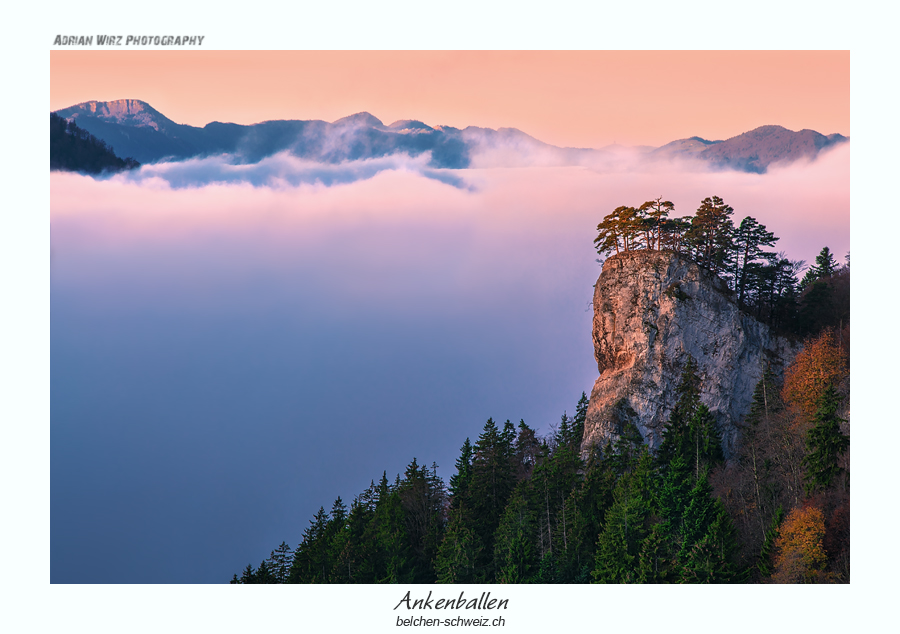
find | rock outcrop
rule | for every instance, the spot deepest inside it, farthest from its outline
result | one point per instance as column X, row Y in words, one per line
column 651, row 310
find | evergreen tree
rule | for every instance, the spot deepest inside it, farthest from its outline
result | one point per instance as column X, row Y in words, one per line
column 764, row 562
column 654, row 559
column 515, row 558
column 817, row 307
column 493, row 478
column 710, row 235
column 357, row 556
column 337, row 536
column 528, row 449
column 691, row 431
column 589, row 503
column 387, row 532
column 609, row 236
column 706, row 440
column 580, row 417
column 627, row 524
column 264, row 574
column 459, row 482
column 825, row 266
column 459, row 552
column 674, row 434
column 656, row 212
column 672, row 236
column 749, row 239
column 75, row 149
column 825, row 443
column 311, row 559
column 708, row 544
column 422, row 498
column 279, row 562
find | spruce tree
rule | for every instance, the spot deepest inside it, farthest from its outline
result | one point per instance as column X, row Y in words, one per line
column 279, row 562
column 627, row 524
column 460, row 550
column 459, row 482
column 515, row 558
column 825, row 266
column 580, row 417
column 492, row 482
column 708, row 545
column 825, row 443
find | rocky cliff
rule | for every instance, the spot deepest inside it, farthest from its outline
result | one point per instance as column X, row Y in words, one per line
column 651, row 310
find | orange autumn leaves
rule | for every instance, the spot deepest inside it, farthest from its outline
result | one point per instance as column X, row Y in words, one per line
column 822, row 362
column 801, row 554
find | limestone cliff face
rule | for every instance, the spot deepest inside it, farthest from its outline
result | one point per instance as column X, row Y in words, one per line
column 651, row 310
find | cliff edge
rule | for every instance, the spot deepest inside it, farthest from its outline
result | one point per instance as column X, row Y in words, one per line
column 652, row 309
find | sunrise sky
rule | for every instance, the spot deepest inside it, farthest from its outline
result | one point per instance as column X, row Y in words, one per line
column 566, row 98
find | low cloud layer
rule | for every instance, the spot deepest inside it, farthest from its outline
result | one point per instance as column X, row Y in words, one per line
column 806, row 203
column 283, row 170
column 220, row 349
column 498, row 153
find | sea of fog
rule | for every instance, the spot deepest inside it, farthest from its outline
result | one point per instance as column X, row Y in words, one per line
column 230, row 354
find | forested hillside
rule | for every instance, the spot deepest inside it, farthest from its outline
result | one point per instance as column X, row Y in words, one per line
column 526, row 508
column 73, row 149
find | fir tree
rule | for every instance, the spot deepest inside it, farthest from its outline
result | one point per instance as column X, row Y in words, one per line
column 825, row 266
column 764, row 561
column 626, row 525
column 264, row 574
column 279, row 562
column 459, row 482
column 459, row 552
column 708, row 545
column 492, row 481
column 580, row 417
column 515, row 558
column 825, row 443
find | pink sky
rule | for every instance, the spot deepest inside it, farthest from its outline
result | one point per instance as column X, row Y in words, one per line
column 566, row 98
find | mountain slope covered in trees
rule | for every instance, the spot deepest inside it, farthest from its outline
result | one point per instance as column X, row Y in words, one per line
column 74, row 149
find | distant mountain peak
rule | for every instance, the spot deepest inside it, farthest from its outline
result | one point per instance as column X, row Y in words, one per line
column 125, row 111
column 409, row 124
column 769, row 129
column 116, row 107
column 360, row 119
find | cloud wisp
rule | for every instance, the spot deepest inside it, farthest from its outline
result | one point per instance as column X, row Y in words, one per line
column 284, row 170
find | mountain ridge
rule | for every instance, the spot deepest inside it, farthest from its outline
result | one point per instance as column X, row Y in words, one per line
column 137, row 129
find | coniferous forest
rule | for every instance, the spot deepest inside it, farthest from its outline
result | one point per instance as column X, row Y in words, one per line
column 527, row 508
column 74, row 149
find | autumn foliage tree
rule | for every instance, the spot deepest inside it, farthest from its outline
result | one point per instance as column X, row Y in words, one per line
column 800, row 548
column 821, row 363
